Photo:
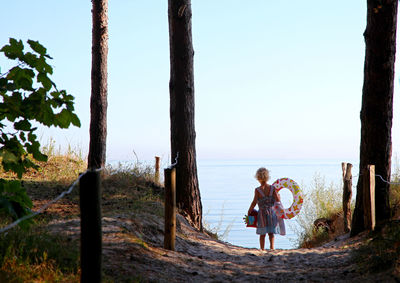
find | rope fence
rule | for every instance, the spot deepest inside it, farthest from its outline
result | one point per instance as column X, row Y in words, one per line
column 45, row 206
column 380, row 177
column 76, row 182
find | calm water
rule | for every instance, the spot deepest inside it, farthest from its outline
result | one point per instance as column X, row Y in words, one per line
column 227, row 189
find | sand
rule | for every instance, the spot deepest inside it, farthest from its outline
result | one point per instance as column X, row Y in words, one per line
column 133, row 250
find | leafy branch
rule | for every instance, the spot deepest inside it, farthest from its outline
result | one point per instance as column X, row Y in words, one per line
column 27, row 94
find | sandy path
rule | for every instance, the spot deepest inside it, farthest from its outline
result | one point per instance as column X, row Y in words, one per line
column 133, row 250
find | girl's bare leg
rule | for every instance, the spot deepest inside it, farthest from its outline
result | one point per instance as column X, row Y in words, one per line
column 271, row 240
column 262, row 242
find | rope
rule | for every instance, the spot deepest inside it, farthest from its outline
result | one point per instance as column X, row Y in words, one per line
column 380, row 177
column 176, row 161
column 390, row 183
column 45, row 206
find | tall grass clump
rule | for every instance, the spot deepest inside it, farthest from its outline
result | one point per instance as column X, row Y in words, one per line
column 217, row 232
column 62, row 167
column 320, row 201
column 130, row 173
column 130, row 187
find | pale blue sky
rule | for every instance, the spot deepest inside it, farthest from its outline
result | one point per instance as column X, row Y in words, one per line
column 273, row 79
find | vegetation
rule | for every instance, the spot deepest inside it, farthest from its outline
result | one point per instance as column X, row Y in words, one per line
column 321, row 202
column 41, row 254
column 36, row 254
column 217, row 232
column 27, row 95
column 26, row 255
column 395, row 192
column 381, row 251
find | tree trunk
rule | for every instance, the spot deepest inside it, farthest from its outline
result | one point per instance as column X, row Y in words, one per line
column 377, row 106
column 181, row 88
column 98, row 99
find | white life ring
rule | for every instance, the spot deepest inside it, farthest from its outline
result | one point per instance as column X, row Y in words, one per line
column 293, row 187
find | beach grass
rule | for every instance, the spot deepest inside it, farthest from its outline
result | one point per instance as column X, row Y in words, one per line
column 322, row 201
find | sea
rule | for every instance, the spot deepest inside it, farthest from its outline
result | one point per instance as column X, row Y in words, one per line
column 227, row 189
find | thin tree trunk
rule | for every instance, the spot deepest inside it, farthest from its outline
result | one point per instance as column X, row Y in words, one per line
column 182, row 110
column 377, row 106
column 98, row 99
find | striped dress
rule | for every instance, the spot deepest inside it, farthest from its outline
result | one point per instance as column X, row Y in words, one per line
column 267, row 220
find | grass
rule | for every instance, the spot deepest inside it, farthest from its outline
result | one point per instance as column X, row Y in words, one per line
column 217, row 232
column 140, row 193
column 25, row 255
column 40, row 255
column 381, row 252
column 321, row 201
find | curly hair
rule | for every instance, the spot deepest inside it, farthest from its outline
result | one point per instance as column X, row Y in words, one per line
column 262, row 174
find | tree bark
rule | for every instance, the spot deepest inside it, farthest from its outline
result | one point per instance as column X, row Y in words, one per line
column 98, row 99
column 377, row 106
column 181, row 88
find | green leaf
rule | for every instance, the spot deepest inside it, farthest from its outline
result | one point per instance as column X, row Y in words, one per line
column 34, row 149
column 46, row 82
column 63, row 119
column 36, row 46
column 6, row 205
column 14, row 50
column 31, row 59
column 14, row 199
column 43, row 67
column 22, row 78
column 75, row 120
column 22, row 136
column 32, row 137
column 23, row 125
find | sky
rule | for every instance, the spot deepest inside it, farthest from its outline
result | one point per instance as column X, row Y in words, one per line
column 273, row 79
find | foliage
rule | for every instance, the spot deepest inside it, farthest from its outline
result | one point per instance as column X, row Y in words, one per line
column 321, row 201
column 28, row 97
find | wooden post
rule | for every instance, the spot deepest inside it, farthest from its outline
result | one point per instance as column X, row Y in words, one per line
column 91, row 241
column 369, row 197
column 170, row 208
column 157, row 171
column 347, row 192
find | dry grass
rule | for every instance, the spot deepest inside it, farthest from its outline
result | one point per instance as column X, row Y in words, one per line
column 31, row 256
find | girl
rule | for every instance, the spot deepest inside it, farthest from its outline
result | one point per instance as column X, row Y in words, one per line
column 265, row 196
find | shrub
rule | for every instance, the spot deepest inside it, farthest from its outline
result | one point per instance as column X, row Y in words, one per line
column 321, row 201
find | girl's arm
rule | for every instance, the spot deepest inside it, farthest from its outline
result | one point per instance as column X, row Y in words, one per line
column 277, row 196
column 253, row 203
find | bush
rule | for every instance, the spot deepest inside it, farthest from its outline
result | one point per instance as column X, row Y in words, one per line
column 321, row 201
